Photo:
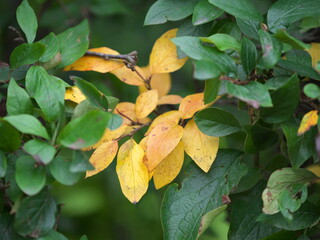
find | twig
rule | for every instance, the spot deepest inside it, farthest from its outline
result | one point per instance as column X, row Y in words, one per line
column 130, row 134
column 16, row 31
column 125, row 116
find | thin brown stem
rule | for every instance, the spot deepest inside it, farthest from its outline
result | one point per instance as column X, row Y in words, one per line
column 130, row 134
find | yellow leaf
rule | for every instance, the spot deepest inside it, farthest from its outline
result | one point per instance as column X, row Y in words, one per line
column 162, row 139
column 91, row 63
column 309, row 119
column 74, row 94
column 170, row 99
column 146, row 102
column 173, row 115
column 164, row 57
column 191, row 104
column 200, row 147
column 159, row 81
column 169, row 168
column 143, row 144
column 128, row 76
column 102, row 157
column 315, row 168
column 132, row 173
column 126, row 111
column 314, row 51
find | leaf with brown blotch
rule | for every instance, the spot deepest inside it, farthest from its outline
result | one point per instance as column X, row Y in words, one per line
column 102, row 157
column 169, row 168
column 162, row 139
column 128, row 76
column 132, row 173
column 74, row 94
column 170, row 99
column 173, row 115
column 309, row 120
column 314, row 51
column 164, row 57
column 200, row 147
column 146, row 102
column 191, row 104
column 97, row 64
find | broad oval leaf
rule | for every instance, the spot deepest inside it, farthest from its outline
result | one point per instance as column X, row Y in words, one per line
column 271, row 49
column 248, row 55
column 222, row 41
column 191, row 104
column 146, row 102
column 40, row 151
column 26, row 53
column 205, row 12
column 170, row 99
column 309, row 119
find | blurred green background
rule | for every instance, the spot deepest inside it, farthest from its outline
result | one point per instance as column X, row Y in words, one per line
column 96, row 206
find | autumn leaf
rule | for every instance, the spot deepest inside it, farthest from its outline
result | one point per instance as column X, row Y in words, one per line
column 74, row 94
column 309, row 119
column 146, row 102
column 173, row 115
column 102, row 157
column 200, row 147
column 143, row 144
column 170, row 99
column 97, row 64
column 191, row 104
column 162, row 139
column 126, row 111
column 128, row 76
column 164, row 57
column 314, row 51
column 132, row 173
column 169, row 167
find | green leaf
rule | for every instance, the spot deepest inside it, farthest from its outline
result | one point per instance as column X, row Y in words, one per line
column 245, row 209
column 169, row 10
column 60, row 170
column 85, row 130
column 9, row 137
column 36, row 215
column 82, row 108
column 18, row 100
column 285, row 37
column 249, row 27
column 30, row 177
column 6, row 227
column 115, row 122
column 282, row 235
column 284, row 12
column 28, row 124
column 216, row 122
column 312, row 90
column 52, row 47
column 205, row 12
column 254, row 93
column 285, row 101
column 277, row 82
column 284, row 179
column 80, row 162
column 26, row 53
column 112, row 102
column 300, row 148
column 238, row 8
column 248, row 55
column 53, row 235
column 40, row 151
column 222, row 41
column 92, row 93
column 206, row 70
column 211, row 90
column 84, row 237
column 271, row 49
column 3, row 164
column 73, row 43
column 14, row 192
column 27, row 20
column 182, row 209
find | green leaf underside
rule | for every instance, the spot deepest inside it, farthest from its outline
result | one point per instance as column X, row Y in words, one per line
column 222, row 41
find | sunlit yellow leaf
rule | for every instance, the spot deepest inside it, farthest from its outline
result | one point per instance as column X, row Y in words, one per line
column 169, row 99
column 159, row 81
column 74, row 94
column 173, row 115
column 162, row 139
column 309, row 119
column 132, row 173
column 164, row 57
column 143, row 144
column 200, row 147
column 128, row 76
column 146, row 102
column 102, row 157
column 191, row 104
column 169, row 167
column 90, row 63
column 314, row 51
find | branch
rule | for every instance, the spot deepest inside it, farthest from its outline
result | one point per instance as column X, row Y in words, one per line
column 130, row 134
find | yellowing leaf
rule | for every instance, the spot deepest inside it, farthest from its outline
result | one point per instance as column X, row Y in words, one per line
column 164, row 57
column 74, row 94
column 129, row 77
column 309, row 119
column 91, row 63
column 315, row 168
column 191, row 104
column 170, row 99
column 159, row 81
column 200, row 147
column 102, row 157
column 126, row 111
column 172, row 116
column 146, row 102
column 132, row 173
column 162, row 139
column 169, row 168
column 314, row 51
column 143, row 144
